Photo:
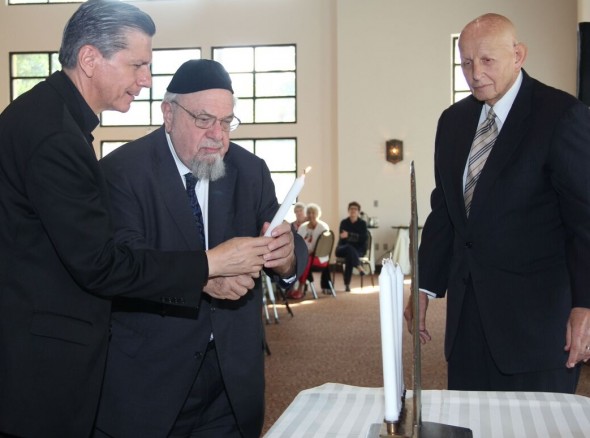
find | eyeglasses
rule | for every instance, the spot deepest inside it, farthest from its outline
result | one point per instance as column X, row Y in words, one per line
column 206, row 121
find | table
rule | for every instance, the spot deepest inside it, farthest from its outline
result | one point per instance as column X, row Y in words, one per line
column 341, row 411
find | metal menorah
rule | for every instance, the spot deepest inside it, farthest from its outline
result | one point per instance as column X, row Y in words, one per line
column 409, row 423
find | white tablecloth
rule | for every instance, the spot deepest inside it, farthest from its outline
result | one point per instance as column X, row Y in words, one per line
column 341, row 411
column 401, row 250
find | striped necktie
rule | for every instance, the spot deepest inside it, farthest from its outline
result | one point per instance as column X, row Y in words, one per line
column 484, row 140
column 191, row 183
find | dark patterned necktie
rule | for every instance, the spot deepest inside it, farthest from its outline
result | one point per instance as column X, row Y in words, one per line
column 485, row 137
column 191, row 183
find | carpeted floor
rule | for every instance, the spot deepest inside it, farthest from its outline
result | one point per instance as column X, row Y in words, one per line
column 338, row 340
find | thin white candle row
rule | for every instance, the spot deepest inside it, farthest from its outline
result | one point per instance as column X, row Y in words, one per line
column 391, row 298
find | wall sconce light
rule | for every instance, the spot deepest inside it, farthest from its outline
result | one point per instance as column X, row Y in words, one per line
column 394, row 151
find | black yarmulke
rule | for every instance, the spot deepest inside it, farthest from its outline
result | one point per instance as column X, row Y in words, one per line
column 198, row 75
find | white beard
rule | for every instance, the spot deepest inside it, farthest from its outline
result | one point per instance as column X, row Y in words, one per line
column 206, row 170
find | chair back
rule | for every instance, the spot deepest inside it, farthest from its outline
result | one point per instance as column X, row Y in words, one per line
column 367, row 253
column 324, row 245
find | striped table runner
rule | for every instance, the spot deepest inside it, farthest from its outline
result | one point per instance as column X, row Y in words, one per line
column 342, row 411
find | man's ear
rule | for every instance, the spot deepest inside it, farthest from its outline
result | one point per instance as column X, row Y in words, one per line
column 88, row 59
column 520, row 52
column 167, row 115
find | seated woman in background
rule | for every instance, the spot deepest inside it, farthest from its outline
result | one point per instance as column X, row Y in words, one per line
column 310, row 231
column 300, row 216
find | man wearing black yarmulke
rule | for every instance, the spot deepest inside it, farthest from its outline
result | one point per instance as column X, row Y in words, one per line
column 173, row 373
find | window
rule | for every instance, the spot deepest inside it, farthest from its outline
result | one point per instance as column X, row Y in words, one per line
column 460, row 87
column 28, row 69
column 145, row 109
column 264, row 81
column 280, row 155
column 106, row 147
column 33, row 2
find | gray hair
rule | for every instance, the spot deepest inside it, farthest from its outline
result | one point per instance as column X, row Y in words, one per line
column 103, row 24
column 314, row 207
column 299, row 205
column 171, row 97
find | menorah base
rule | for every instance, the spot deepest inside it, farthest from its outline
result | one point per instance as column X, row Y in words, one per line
column 405, row 429
column 426, row 430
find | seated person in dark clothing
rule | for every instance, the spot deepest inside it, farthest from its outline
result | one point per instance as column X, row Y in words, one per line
column 353, row 242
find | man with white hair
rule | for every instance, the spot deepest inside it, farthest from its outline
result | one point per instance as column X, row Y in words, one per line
column 172, row 373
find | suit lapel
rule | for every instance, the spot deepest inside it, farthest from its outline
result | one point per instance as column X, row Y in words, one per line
column 172, row 191
column 508, row 141
column 461, row 136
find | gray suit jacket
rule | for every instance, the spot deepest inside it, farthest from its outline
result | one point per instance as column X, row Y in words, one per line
column 155, row 350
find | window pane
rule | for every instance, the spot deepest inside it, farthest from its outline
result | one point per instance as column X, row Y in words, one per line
column 461, row 95
column 275, row 84
column 275, row 58
column 244, row 110
column 283, row 182
column 34, row 2
column 159, row 85
column 235, row 59
column 460, row 87
column 157, row 116
column 24, row 2
column 168, row 61
column 246, row 144
column 144, row 94
column 138, row 115
column 460, row 82
column 243, row 84
column 456, row 56
column 279, row 154
column 275, row 110
column 55, row 64
column 30, row 65
column 106, row 147
column 20, row 86
column 280, row 157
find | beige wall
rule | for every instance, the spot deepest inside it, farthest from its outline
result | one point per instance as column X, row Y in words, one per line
column 368, row 71
column 394, row 81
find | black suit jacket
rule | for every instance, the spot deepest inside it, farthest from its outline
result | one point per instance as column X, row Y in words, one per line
column 155, row 352
column 59, row 263
column 524, row 243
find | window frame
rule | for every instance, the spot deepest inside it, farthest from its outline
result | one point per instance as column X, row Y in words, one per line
column 294, row 172
column 254, row 72
column 151, row 101
column 457, row 93
column 43, row 2
column 12, row 78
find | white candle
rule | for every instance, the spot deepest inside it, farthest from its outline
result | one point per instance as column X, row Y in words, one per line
column 287, row 202
column 387, row 284
column 398, row 310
